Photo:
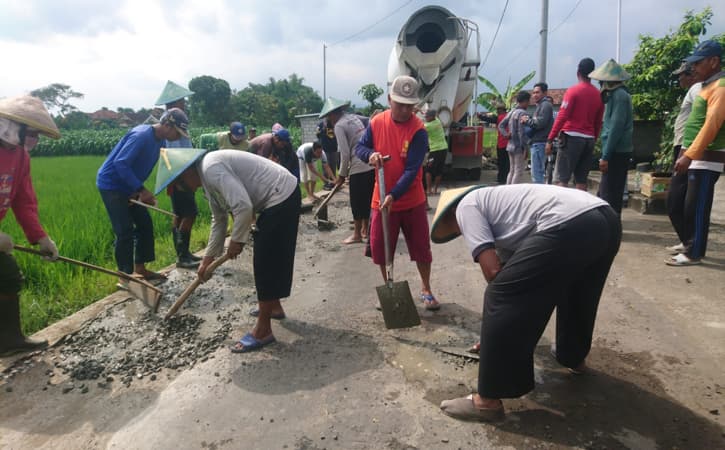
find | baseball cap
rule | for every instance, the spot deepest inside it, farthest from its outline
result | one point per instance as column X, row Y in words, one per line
column 177, row 118
column 404, row 90
column 282, row 135
column 684, row 68
column 237, row 130
column 705, row 49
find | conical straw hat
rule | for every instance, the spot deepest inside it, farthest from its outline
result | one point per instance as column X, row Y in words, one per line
column 441, row 231
column 171, row 93
column 332, row 104
column 29, row 111
column 173, row 162
column 610, row 71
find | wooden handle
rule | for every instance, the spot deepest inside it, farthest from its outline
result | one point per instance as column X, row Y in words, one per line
column 145, row 205
column 120, row 274
column 327, row 199
column 192, row 287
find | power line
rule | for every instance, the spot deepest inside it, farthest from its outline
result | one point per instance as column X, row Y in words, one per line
column 490, row 47
column 373, row 25
column 567, row 16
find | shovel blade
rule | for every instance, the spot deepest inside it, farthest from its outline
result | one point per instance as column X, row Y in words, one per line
column 399, row 310
column 147, row 295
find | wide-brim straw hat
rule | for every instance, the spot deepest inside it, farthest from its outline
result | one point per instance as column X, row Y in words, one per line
column 441, row 231
column 173, row 162
column 171, row 93
column 610, row 71
column 30, row 111
column 331, row 104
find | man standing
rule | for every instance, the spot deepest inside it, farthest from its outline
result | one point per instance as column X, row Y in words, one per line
column 577, row 126
column 240, row 185
column 326, row 135
column 541, row 123
column 703, row 153
column 678, row 183
column 348, row 130
column 121, row 178
column 183, row 203
column 22, row 119
column 616, row 133
column 398, row 134
column 437, row 151
column 518, row 148
column 502, row 156
column 234, row 139
column 308, row 154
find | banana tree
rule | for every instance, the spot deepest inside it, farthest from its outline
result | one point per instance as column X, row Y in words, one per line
column 490, row 100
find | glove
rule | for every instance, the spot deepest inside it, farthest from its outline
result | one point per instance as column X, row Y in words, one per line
column 48, row 247
column 6, row 243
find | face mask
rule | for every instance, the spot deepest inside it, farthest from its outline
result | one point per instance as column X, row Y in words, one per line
column 30, row 142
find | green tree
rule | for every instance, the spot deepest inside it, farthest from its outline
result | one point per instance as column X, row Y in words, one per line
column 210, row 103
column 252, row 106
column 371, row 92
column 57, row 96
column 489, row 100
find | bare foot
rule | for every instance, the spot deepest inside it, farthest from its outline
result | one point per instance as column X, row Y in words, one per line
column 352, row 240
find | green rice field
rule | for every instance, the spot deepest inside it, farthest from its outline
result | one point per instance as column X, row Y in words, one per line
column 72, row 213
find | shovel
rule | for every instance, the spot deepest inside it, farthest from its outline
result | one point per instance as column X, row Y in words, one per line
column 399, row 310
column 192, row 287
column 321, row 211
column 141, row 289
column 152, row 207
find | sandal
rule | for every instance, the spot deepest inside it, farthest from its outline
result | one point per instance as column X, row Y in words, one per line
column 681, row 260
column 430, row 302
column 464, row 409
column 249, row 343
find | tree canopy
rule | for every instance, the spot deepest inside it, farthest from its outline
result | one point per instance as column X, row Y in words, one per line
column 210, row 103
column 57, row 97
column 371, row 92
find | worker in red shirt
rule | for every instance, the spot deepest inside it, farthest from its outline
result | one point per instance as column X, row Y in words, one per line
column 577, row 127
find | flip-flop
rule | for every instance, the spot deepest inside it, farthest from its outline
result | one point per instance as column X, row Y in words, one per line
column 430, row 302
column 249, row 343
column 675, row 249
column 681, row 260
column 280, row 316
column 463, row 408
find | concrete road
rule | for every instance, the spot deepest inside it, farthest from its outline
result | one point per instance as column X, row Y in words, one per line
column 337, row 378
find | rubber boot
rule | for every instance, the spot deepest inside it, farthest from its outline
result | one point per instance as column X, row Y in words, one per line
column 186, row 237
column 184, row 259
column 11, row 337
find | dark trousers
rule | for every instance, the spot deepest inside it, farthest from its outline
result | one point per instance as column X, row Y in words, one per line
column 502, row 161
column 614, row 182
column 333, row 160
column 689, row 203
column 563, row 268
column 133, row 229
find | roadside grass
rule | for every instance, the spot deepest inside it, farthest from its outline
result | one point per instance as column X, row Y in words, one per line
column 72, row 213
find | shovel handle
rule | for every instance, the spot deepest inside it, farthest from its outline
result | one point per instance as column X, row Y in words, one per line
column 327, row 199
column 120, row 274
column 195, row 284
column 145, row 205
column 386, row 233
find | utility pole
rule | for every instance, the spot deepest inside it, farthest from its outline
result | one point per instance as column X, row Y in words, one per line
column 544, row 35
column 324, row 71
column 619, row 30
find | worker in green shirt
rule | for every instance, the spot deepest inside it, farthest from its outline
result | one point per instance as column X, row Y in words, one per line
column 437, row 148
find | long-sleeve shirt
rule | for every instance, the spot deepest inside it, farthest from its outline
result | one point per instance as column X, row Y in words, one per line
column 617, row 126
column 542, row 120
column 17, row 193
column 580, row 113
column 501, row 217
column 240, row 183
column 511, row 125
column 685, row 109
column 406, row 143
column 704, row 131
column 348, row 131
column 130, row 162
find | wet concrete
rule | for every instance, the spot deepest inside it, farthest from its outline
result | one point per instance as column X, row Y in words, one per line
column 337, row 378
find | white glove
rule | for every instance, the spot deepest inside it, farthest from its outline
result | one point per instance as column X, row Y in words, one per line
column 48, row 247
column 6, row 243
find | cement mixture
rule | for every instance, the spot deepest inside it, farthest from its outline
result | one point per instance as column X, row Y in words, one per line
column 337, row 378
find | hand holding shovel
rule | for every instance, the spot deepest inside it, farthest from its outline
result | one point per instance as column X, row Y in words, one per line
column 192, row 287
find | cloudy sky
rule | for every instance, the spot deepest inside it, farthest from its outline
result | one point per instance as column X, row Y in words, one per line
column 121, row 53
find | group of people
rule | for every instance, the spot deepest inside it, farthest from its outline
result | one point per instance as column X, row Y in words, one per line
column 532, row 241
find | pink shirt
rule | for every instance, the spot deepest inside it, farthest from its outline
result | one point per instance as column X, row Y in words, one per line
column 581, row 112
column 17, row 193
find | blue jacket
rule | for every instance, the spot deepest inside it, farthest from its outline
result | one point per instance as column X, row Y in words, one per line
column 130, row 162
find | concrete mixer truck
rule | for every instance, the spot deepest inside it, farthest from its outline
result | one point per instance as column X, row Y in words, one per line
column 442, row 52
